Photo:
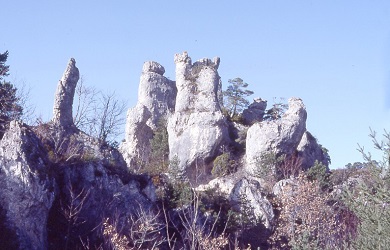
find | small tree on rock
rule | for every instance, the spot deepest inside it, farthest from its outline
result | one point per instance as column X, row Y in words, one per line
column 235, row 97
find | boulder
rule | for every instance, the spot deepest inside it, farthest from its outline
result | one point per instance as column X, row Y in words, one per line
column 63, row 101
column 281, row 136
column 27, row 190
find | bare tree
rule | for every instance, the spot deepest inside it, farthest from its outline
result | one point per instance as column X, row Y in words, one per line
column 109, row 117
column 85, row 101
column 97, row 113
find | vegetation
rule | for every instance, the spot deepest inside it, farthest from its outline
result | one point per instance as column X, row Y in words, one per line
column 235, row 97
column 276, row 111
column 99, row 114
column 314, row 208
column 10, row 107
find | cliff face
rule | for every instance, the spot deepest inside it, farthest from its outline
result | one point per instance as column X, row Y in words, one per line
column 27, row 190
column 58, row 185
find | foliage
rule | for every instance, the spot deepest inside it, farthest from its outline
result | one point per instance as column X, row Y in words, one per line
column 223, row 165
column 158, row 161
column 276, row 111
column 308, row 221
column 3, row 68
column 371, row 198
column 273, row 168
column 319, row 173
column 235, row 97
column 10, row 108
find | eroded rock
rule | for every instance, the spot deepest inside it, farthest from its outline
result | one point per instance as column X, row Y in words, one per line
column 254, row 112
column 280, row 136
column 27, row 191
column 197, row 128
column 156, row 100
column 310, row 151
column 63, row 102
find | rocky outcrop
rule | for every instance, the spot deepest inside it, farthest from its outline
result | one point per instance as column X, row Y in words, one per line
column 26, row 190
column 254, row 112
column 60, row 187
column 280, row 136
column 63, row 102
column 156, row 100
column 244, row 194
column 156, row 92
column 197, row 128
column 310, row 151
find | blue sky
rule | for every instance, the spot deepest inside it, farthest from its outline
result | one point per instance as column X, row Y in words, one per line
column 332, row 54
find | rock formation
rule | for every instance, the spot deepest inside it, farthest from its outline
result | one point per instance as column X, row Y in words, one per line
column 27, row 191
column 280, row 136
column 310, row 151
column 254, row 112
column 63, row 102
column 156, row 100
column 235, row 190
column 197, row 128
column 59, row 185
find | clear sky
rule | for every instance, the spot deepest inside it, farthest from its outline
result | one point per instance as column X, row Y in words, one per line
column 332, row 54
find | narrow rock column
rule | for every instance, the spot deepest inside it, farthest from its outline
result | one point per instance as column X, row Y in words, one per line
column 63, row 102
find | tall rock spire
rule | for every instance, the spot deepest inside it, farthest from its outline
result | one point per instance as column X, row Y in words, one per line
column 63, row 102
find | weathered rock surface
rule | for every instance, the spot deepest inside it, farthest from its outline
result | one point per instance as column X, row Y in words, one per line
column 198, row 84
column 58, row 186
column 280, row 136
column 197, row 128
column 244, row 193
column 26, row 190
column 62, row 111
column 254, row 112
column 310, row 151
column 156, row 100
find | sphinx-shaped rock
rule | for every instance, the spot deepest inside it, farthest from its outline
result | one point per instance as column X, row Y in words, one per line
column 280, row 136
column 63, row 102
column 156, row 100
column 197, row 128
column 26, row 190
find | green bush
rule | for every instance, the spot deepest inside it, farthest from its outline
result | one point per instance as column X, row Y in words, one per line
column 223, row 165
column 320, row 173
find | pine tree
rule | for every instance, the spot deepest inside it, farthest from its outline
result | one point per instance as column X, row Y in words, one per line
column 10, row 108
column 235, row 96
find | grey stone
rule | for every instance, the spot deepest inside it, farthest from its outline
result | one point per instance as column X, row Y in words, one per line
column 27, row 191
column 255, row 111
column 310, row 151
column 197, row 128
column 63, row 102
column 280, row 136
column 156, row 100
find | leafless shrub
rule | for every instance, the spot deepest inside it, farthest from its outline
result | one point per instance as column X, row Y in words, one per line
column 290, row 166
column 64, row 147
column 196, row 234
column 308, row 219
column 144, row 232
column 72, row 210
